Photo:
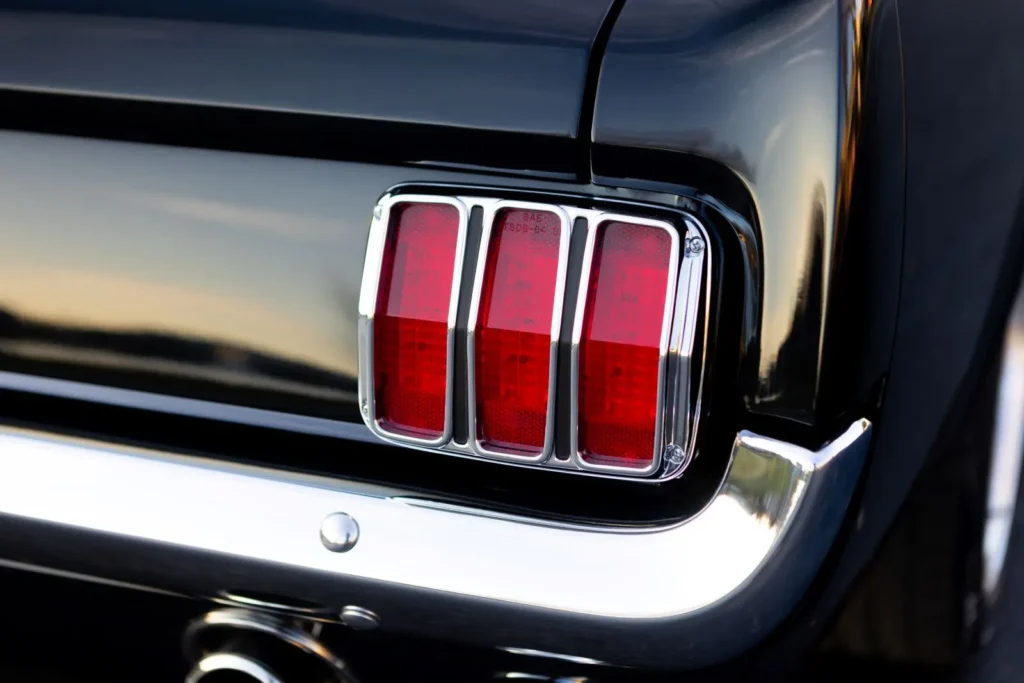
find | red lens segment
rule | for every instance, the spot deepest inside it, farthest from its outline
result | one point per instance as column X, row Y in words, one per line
column 513, row 336
column 619, row 348
column 410, row 329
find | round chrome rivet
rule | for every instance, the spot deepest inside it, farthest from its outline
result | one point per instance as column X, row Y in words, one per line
column 377, row 212
column 694, row 245
column 339, row 532
column 359, row 618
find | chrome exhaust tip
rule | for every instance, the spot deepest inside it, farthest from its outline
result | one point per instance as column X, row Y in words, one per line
column 229, row 667
column 246, row 646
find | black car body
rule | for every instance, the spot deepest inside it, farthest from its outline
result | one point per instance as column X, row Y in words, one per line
column 186, row 190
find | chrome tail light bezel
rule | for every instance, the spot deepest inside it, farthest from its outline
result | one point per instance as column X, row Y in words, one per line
column 593, row 228
column 368, row 309
column 491, row 213
column 681, row 354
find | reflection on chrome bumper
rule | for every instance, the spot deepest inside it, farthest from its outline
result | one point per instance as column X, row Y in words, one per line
column 668, row 597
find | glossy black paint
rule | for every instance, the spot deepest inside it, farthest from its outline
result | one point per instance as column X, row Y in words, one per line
column 868, row 256
column 789, row 113
column 308, row 136
column 184, row 273
column 500, row 66
column 228, row 278
column 772, row 91
column 964, row 258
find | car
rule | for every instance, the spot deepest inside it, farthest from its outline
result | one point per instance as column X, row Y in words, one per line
column 598, row 338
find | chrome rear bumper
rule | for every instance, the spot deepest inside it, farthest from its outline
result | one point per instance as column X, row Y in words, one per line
column 669, row 597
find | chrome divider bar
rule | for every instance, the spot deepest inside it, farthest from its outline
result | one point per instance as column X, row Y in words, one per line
column 706, row 588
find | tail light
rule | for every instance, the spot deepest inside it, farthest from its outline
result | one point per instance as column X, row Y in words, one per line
column 635, row 285
column 514, row 329
column 625, row 309
column 420, row 246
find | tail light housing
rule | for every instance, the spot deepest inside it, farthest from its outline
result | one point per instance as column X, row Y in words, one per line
column 580, row 327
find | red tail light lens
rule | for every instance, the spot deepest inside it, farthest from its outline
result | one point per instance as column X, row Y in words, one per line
column 486, row 387
column 513, row 336
column 410, row 330
column 620, row 344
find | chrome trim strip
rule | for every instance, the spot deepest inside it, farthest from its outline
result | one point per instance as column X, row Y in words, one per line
column 490, row 214
column 682, row 417
column 368, row 308
column 593, row 226
column 711, row 586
